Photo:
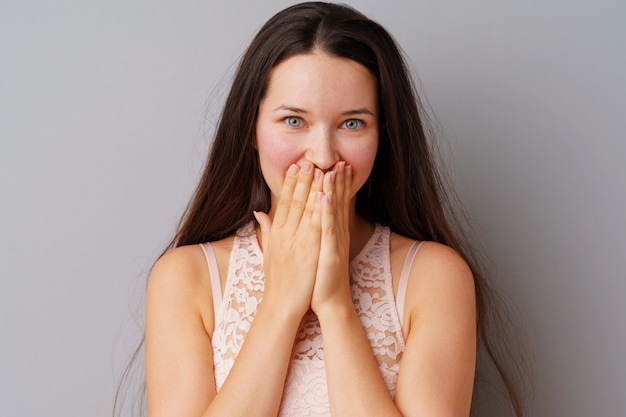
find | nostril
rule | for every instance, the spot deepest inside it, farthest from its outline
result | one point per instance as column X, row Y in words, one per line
column 325, row 161
column 324, row 167
column 324, row 170
column 328, row 168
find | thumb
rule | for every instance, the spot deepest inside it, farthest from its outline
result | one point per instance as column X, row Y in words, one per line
column 266, row 224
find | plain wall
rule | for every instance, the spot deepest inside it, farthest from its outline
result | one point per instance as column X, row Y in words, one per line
column 104, row 128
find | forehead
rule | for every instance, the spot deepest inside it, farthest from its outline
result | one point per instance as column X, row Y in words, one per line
column 317, row 78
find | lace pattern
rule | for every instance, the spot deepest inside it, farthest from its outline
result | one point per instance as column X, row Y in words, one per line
column 306, row 392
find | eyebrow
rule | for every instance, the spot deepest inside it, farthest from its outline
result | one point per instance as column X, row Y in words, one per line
column 362, row 110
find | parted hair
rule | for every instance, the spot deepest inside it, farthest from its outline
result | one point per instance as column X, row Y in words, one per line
column 403, row 190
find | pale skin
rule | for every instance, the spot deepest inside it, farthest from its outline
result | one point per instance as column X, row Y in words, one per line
column 317, row 135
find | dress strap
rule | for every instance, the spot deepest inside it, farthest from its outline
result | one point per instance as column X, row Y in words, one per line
column 214, row 272
column 404, row 279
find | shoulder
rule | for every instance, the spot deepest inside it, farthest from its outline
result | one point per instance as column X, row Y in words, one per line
column 433, row 262
column 438, row 363
column 430, row 254
column 182, row 277
column 187, row 267
column 179, row 318
column 441, row 286
column 438, row 260
column 439, row 279
column 440, row 271
column 185, row 263
column 179, row 275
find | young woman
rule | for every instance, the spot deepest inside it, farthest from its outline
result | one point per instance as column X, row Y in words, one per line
column 314, row 272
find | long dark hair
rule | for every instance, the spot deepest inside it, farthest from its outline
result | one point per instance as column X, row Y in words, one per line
column 405, row 190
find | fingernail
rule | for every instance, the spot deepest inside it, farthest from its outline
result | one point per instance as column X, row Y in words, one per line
column 293, row 170
column 332, row 177
column 318, row 174
column 349, row 169
column 307, row 167
column 341, row 165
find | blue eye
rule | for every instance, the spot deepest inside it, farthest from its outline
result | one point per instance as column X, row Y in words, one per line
column 292, row 121
column 353, row 124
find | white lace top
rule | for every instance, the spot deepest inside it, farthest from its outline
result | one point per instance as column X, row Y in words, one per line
column 305, row 392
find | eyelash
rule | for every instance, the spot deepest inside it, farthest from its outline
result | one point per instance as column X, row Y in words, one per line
column 299, row 120
column 288, row 120
column 358, row 121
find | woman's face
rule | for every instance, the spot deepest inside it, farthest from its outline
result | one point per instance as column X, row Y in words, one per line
column 317, row 108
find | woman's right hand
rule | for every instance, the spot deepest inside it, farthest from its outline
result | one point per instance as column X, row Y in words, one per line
column 291, row 240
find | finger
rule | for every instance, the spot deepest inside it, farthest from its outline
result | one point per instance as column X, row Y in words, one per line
column 347, row 197
column 329, row 182
column 315, row 219
column 330, row 179
column 312, row 222
column 318, row 181
column 340, row 192
column 300, row 195
column 340, row 182
column 328, row 227
column 316, row 187
column 286, row 193
column 329, row 219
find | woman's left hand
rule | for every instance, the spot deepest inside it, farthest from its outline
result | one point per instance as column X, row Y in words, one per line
column 332, row 282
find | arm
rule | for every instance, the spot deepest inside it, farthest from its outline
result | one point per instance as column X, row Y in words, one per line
column 355, row 384
column 179, row 365
column 437, row 368
column 179, row 356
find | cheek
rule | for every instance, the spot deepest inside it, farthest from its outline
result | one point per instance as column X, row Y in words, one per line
column 362, row 161
column 275, row 156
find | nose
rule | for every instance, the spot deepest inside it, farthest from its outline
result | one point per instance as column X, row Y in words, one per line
column 322, row 151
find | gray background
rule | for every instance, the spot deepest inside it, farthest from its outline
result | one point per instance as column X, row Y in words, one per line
column 104, row 127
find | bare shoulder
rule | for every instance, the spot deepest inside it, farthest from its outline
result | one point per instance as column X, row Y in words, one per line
column 441, row 261
column 186, row 267
column 179, row 285
column 180, row 270
column 440, row 271
column 440, row 280
column 437, row 371
column 179, row 318
column 432, row 258
column 180, row 280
